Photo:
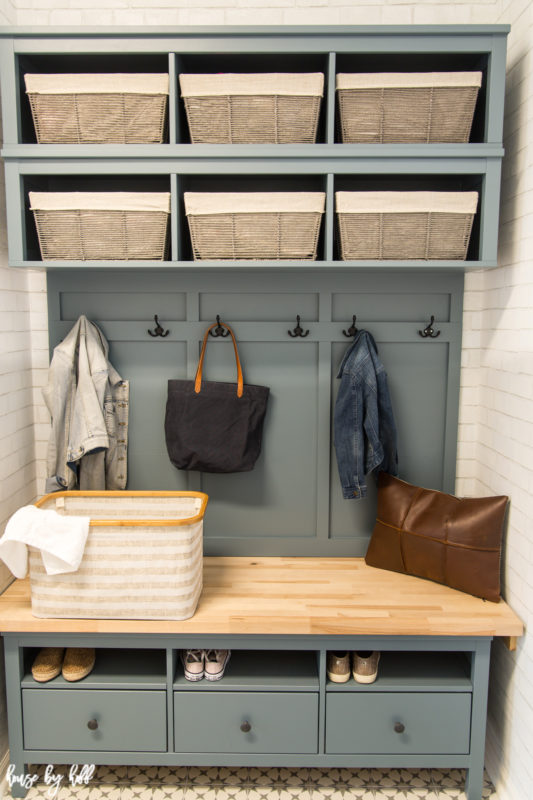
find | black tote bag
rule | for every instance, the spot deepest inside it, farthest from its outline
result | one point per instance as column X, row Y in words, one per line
column 213, row 426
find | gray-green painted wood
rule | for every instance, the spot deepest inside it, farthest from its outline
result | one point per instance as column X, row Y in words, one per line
column 436, row 664
column 480, row 682
column 126, row 720
column 131, row 669
column 332, row 49
column 409, row 671
column 291, row 502
column 392, row 299
column 259, row 173
column 279, row 722
column 14, row 666
column 260, row 671
column 365, row 723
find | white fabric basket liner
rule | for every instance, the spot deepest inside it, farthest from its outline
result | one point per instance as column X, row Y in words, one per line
column 262, row 83
column 406, row 202
column 100, row 201
column 93, row 83
column 406, row 80
column 197, row 203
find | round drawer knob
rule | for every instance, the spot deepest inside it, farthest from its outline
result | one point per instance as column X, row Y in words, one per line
column 246, row 727
column 399, row 727
column 92, row 724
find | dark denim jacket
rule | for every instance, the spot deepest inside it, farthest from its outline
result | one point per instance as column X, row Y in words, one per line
column 365, row 433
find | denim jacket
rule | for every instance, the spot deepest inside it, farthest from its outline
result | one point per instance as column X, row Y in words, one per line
column 88, row 403
column 365, row 433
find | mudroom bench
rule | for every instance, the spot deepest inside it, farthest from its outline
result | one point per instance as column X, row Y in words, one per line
column 274, row 706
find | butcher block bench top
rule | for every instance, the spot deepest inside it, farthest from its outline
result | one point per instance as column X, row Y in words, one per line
column 309, row 596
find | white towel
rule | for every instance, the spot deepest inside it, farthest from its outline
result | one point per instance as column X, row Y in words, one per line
column 61, row 540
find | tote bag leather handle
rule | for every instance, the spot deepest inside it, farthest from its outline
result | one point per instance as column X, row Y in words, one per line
column 198, row 379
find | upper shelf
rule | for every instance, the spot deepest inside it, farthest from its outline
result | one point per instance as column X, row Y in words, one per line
column 177, row 166
column 329, row 50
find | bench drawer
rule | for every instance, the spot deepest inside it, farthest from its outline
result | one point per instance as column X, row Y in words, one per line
column 57, row 719
column 406, row 722
column 245, row 722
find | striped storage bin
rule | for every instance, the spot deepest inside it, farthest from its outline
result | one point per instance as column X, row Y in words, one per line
column 101, row 226
column 228, row 108
column 405, row 225
column 407, row 107
column 98, row 108
column 142, row 560
column 254, row 225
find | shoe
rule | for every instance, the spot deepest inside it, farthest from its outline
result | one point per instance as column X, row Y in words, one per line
column 47, row 664
column 338, row 667
column 215, row 663
column 78, row 663
column 365, row 665
column 193, row 664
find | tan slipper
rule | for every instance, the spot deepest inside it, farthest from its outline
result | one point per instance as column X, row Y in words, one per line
column 78, row 663
column 47, row 664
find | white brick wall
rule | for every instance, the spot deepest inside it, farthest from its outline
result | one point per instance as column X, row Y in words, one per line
column 251, row 12
column 496, row 413
column 8, row 12
column 22, row 316
column 22, row 313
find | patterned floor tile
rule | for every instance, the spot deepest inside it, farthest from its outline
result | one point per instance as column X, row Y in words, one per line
column 173, row 776
column 448, row 778
column 137, row 793
column 279, row 793
column 452, row 794
column 110, row 774
column 154, row 775
column 326, row 793
column 255, row 783
column 341, row 793
column 168, row 793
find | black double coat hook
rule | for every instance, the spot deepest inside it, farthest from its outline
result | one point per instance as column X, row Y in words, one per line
column 298, row 330
column 158, row 330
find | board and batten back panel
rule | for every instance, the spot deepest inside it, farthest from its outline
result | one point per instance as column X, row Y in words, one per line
column 291, row 502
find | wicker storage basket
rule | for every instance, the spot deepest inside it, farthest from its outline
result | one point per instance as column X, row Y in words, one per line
column 101, row 226
column 74, row 109
column 405, row 225
column 252, row 108
column 142, row 560
column 254, row 225
column 407, row 107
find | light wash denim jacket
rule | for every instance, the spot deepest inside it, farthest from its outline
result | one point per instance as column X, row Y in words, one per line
column 88, row 403
column 365, row 433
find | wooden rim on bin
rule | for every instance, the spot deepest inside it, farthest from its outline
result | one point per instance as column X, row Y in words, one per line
column 122, row 523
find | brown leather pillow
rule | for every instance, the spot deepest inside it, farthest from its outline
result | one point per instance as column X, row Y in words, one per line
column 451, row 540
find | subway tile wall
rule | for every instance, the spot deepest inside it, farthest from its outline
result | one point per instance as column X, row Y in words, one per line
column 496, row 413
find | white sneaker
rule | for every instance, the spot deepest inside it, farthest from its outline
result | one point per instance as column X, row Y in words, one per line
column 193, row 664
column 215, row 663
